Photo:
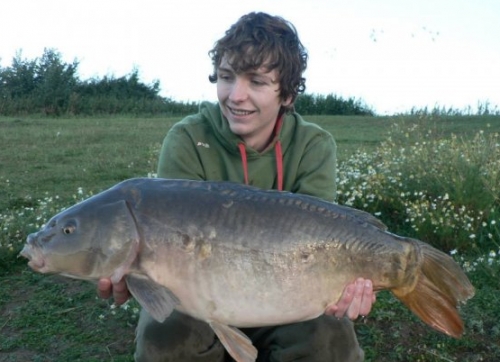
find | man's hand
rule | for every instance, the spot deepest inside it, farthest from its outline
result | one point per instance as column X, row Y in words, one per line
column 119, row 291
column 356, row 300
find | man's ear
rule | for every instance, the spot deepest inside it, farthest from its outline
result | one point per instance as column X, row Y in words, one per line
column 287, row 102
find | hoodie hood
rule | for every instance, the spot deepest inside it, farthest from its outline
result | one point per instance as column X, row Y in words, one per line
column 235, row 145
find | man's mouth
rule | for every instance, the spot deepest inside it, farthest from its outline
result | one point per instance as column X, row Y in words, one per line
column 239, row 112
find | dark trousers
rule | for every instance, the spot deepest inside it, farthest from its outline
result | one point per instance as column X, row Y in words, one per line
column 184, row 339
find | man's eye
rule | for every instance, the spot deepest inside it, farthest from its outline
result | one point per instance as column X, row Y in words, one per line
column 258, row 82
column 224, row 76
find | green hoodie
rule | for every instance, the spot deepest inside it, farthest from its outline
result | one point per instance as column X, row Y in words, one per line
column 202, row 147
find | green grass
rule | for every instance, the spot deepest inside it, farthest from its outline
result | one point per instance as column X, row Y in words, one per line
column 353, row 133
column 55, row 319
column 56, row 156
column 47, row 164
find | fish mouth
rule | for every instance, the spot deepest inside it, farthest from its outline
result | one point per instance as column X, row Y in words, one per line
column 35, row 259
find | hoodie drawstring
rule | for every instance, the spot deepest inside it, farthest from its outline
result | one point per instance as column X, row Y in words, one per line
column 243, row 153
column 279, row 164
column 277, row 151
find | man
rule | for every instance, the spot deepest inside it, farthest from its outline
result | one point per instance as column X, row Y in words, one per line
column 253, row 136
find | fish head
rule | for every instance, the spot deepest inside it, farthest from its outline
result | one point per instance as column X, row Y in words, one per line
column 94, row 239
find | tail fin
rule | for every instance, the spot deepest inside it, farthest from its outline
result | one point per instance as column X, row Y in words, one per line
column 440, row 287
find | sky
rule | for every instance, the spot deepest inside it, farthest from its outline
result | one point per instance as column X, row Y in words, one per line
column 394, row 55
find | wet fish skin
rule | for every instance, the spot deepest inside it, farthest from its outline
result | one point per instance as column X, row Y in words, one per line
column 236, row 256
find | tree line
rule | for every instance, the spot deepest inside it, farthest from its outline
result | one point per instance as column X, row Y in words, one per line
column 317, row 104
column 50, row 86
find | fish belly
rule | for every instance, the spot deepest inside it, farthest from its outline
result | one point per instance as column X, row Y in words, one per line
column 246, row 288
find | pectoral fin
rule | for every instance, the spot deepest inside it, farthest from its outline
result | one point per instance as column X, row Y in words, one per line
column 157, row 300
column 238, row 345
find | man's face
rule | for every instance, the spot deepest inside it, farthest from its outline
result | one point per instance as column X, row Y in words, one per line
column 250, row 101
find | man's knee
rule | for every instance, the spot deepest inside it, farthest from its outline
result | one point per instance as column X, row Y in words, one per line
column 179, row 338
column 323, row 339
column 334, row 339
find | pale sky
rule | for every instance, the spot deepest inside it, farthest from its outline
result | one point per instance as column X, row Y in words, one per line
column 392, row 54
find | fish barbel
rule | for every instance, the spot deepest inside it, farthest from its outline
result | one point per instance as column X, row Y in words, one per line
column 237, row 256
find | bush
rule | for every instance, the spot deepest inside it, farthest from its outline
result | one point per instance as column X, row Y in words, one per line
column 50, row 86
column 441, row 190
column 316, row 104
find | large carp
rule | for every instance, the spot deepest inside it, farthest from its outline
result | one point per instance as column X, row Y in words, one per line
column 237, row 256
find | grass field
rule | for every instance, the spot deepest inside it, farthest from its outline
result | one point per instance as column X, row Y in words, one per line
column 47, row 164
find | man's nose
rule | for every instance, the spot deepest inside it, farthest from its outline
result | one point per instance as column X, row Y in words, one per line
column 239, row 90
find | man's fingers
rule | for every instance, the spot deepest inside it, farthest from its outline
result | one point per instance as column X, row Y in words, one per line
column 367, row 299
column 104, row 288
column 331, row 309
column 120, row 292
column 356, row 300
column 345, row 301
column 354, row 308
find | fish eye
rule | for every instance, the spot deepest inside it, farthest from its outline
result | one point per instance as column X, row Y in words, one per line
column 69, row 228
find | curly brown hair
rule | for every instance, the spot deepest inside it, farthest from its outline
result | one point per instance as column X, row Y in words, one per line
column 259, row 39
